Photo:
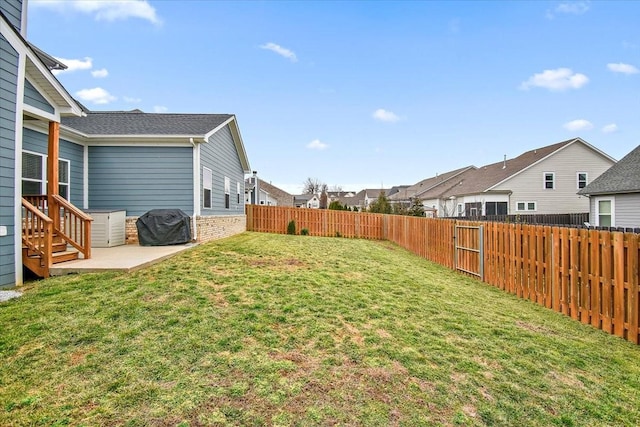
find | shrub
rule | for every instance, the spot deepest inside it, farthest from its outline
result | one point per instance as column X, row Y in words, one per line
column 304, row 231
column 291, row 227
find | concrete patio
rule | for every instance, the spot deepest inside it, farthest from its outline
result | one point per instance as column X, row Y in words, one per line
column 125, row 258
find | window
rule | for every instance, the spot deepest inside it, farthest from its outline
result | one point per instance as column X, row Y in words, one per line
column 227, row 192
column 460, row 209
column 496, row 208
column 34, row 180
column 526, row 206
column 604, row 212
column 238, row 190
column 63, row 178
column 207, row 184
column 582, row 180
column 549, row 180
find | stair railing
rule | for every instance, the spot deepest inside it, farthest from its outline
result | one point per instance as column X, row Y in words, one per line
column 37, row 233
column 74, row 226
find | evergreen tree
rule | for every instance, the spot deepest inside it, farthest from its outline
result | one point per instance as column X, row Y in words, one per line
column 417, row 208
column 381, row 205
column 336, row 206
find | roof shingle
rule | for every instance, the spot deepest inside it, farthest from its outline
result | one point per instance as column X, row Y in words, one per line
column 622, row 177
column 138, row 123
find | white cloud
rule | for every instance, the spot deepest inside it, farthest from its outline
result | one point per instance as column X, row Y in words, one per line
column 74, row 65
column 385, row 116
column 571, row 8
column 131, row 100
column 100, row 74
column 623, row 68
column 160, row 109
column 96, row 95
column 577, row 125
column 104, row 10
column 610, row 128
column 282, row 51
column 556, row 80
column 316, row 144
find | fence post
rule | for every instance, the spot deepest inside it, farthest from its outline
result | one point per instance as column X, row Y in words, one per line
column 481, row 253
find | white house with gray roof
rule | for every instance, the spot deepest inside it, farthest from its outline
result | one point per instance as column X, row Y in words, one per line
column 614, row 196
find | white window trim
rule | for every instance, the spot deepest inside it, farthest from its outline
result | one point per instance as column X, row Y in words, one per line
column 526, row 206
column 68, row 183
column 586, row 179
column 43, row 168
column 238, row 191
column 227, row 192
column 459, row 209
column 544, row 180
column 43, row 181
column 206, row 182
column 612, row 199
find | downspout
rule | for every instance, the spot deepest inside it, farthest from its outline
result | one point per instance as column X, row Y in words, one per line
column 196, row 187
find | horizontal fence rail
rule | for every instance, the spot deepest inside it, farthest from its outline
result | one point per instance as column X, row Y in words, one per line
column 590, row 275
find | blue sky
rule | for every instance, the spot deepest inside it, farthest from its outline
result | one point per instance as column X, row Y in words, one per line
column 362, row 94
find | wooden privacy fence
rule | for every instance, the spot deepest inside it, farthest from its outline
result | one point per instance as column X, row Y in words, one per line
column 590, row 275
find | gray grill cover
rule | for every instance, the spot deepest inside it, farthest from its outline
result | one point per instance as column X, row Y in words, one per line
column 163, row 227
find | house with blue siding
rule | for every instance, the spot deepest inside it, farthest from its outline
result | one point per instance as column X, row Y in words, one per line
column 59, row 160
column 29, row 93
column 137, row 161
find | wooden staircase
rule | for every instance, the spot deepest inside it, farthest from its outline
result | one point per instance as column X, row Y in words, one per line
column 51, row 240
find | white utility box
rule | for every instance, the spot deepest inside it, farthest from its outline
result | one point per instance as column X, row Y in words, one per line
column 108, row 228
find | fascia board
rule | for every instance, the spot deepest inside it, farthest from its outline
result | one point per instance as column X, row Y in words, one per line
column 237, row 140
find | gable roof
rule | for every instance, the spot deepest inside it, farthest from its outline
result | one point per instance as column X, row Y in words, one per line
column 37, row 69
column 622, row 177
column 283, row 198
column 138, row 123
column 486, row 178
column 422, row 187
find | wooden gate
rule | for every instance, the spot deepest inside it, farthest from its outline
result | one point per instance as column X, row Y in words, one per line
column 469, row 249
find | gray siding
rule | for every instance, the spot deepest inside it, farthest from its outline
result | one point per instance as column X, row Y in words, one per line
column 12, row 9
column 627, row 210
column 565, row 164
column 35, row 99
column 220, row 155
column 8, row 86
column 138, row 179
column 38, row 143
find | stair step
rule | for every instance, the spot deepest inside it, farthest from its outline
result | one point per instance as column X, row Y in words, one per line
column 64, row 256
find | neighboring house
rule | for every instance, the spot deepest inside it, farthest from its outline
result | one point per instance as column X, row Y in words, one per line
column 269, row 194
column 406, row 195
column 56, row 157
column 540, row 181
column 369, row 195
column 614, row 196
column 311, row 201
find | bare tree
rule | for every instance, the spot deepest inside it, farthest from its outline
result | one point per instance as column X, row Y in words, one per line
column 313, row 186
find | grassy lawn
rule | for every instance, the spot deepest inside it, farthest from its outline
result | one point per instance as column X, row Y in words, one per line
column 266, row 329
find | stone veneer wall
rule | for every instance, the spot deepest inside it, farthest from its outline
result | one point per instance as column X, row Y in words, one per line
column 208, row 227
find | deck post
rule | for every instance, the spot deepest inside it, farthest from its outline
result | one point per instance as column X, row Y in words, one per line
column 53, row 154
